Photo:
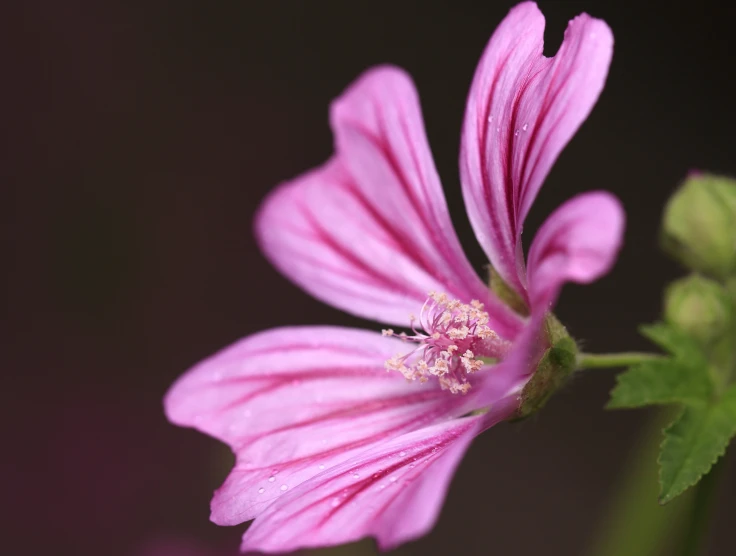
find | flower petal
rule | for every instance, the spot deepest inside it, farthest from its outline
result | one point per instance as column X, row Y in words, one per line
column 522, row 110
column 370, row 232
column 392, row 492
column 294, row 401
column 579, row 242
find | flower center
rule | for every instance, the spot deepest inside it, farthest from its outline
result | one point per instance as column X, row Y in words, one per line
column 452, row 337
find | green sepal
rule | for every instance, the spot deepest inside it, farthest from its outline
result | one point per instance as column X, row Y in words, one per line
column 506, row 293
column 553, row 370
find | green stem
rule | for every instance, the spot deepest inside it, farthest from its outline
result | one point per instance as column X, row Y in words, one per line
column 702, row 509
column 634, row 524
column 608, row 360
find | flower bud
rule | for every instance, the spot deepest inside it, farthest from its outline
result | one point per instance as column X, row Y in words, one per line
column 699, row 307
column 699, row 225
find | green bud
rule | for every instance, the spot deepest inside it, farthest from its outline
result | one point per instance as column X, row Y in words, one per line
column 699, row 225
column 699, row 307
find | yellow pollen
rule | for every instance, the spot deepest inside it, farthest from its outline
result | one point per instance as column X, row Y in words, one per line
column 452, row 338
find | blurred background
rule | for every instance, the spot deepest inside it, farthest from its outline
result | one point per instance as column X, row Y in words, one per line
column 140, row 138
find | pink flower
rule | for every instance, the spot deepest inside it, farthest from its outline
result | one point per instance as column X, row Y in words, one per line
column 340, row 433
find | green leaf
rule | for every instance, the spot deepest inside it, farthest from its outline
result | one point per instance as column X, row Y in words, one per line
column 693, row 443
column 661, row 382
column 675, row 342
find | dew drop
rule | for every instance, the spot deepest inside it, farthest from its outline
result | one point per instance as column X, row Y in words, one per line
column 498, row 129
column 402, row 454
column 261, row 490
column 525, row 127
column 516, row 133
column 271, row 479
column 392, row 479
column 321, row 465
column 335, row 502
column 355, row 476
column 412, row 466
column 490, row 119
column 284, row 487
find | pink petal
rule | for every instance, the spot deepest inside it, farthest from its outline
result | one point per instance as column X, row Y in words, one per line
column 522, row 110
column 294, row 401
column 369, row 232
column 392, row 492
column 579, row 242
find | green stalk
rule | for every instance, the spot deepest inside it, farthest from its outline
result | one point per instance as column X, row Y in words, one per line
column 634, row 524
column 610, row 360
column 701, row 511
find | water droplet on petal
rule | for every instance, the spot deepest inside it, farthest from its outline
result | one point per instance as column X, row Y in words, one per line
column 284, row 487
column 321, row 466
column 402, row 454
column 490, row 119
column 355, row 476
column 516, row 133
column 261, row 490
column 525, row 127
column 392, row 479
column 335, row 502
column 271, row 479
column 498, row 129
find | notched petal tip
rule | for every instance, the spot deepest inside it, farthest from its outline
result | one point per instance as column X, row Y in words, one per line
column 523, row 108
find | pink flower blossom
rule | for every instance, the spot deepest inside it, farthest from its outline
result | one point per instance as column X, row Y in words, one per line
column 340, row 433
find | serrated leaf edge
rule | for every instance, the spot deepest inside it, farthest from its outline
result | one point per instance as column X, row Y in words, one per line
column 665, row 499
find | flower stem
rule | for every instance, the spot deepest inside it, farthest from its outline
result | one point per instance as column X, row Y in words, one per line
column 701, row 511
column 609, row 360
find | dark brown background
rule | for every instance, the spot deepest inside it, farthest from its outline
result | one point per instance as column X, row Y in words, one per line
column 140, row 139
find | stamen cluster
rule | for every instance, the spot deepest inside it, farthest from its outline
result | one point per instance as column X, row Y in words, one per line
column 451, row 337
